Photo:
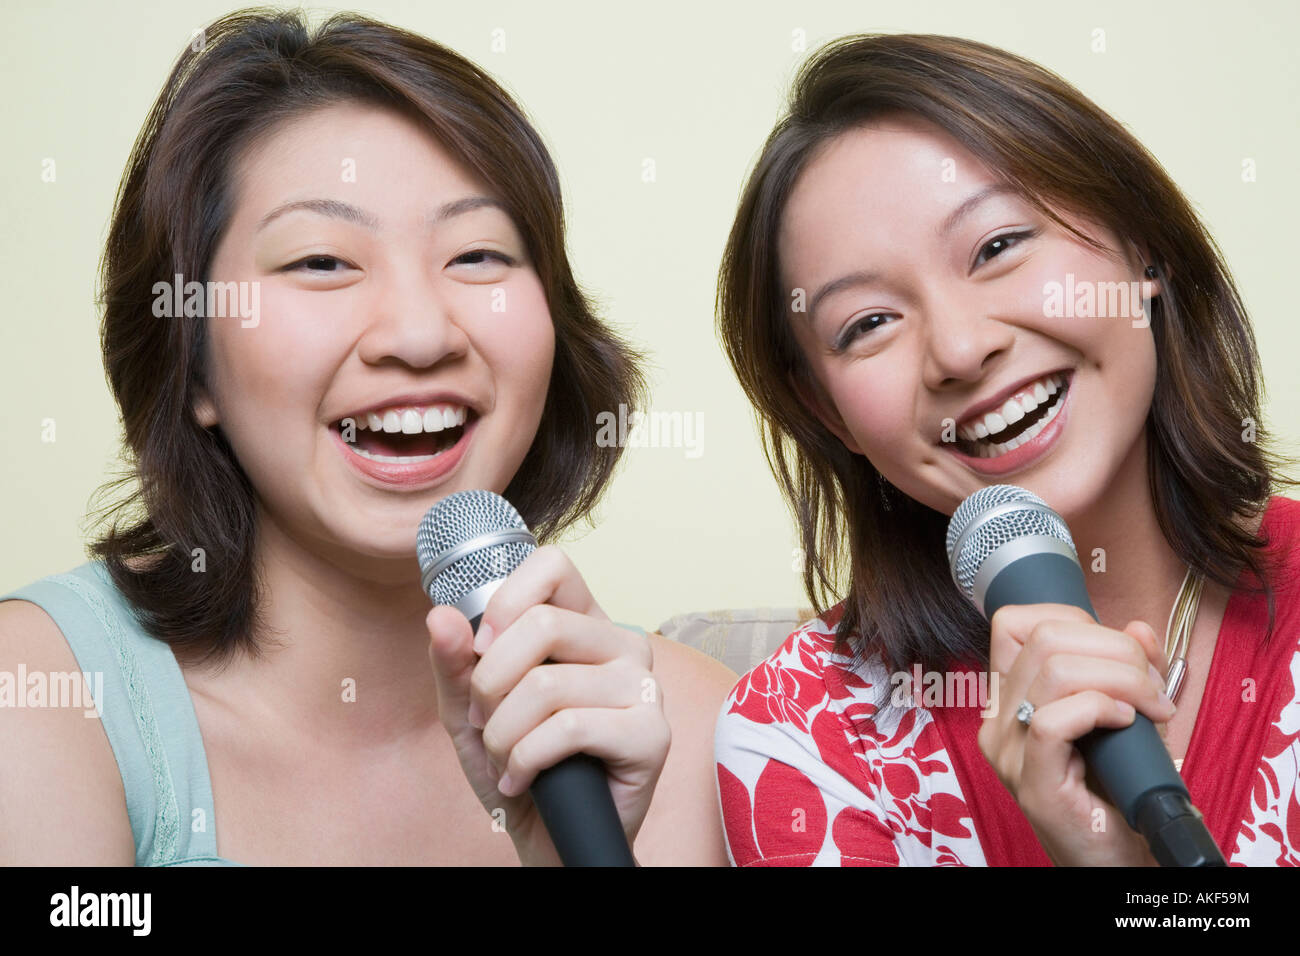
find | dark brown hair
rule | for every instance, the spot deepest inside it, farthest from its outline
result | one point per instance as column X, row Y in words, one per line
column 1050, row 144
column 243, row 75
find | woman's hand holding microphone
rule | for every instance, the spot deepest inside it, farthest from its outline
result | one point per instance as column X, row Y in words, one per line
column 1078, row 676
column 510, row 714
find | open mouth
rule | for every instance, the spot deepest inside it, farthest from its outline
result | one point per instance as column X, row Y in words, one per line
column 1018, row 421
column 408, row 436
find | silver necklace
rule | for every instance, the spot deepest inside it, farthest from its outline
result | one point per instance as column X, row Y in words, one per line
column 1178, row 636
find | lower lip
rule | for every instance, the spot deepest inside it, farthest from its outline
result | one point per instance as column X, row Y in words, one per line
column 411, row 474
column 1024, row 455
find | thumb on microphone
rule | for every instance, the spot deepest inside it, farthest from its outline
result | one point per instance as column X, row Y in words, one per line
column 1145, row 635
column 451, row 652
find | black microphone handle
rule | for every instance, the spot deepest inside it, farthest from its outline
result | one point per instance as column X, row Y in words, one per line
column 574, row 801
column 1131, row 763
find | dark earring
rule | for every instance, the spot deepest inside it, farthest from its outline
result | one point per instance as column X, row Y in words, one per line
column 1151, row 272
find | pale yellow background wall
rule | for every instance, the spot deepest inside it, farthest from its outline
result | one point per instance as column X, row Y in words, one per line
column 693, row 86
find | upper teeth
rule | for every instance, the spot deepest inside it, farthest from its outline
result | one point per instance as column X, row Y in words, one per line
column 411, row 420
column 1014, row 409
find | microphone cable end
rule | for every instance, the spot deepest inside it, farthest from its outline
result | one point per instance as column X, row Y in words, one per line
column 1176, row 832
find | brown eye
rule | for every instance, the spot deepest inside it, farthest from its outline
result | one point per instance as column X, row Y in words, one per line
column 1001, row 244
column 479, row 256
column 862, row 326
column 318, row 264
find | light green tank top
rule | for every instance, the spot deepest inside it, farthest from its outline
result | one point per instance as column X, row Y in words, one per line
column 147, row 713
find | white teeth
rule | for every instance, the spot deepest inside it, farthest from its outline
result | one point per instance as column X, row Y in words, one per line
column 1051, row 413
column 995, row 450
column 413, row 421
column 395, row 459
column 1014, row 409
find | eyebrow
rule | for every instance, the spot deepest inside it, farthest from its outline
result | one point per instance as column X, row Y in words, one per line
column 337, row 209
column 967, row 206
column 953, row 219
column 839, row 285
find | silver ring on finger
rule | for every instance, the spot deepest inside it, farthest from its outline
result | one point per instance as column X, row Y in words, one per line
column 1025, row 712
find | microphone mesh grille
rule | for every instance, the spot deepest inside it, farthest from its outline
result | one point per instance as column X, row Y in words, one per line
column 1034, row 517
column 459, row 518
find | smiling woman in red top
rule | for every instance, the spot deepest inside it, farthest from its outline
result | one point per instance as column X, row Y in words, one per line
column 950, row 269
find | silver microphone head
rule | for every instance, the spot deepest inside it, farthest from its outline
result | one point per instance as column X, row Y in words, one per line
column 467, row 544
column 992, row 517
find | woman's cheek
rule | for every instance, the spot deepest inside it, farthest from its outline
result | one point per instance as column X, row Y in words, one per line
column 525, row 344
column 272, row 379
column 878, row 412
column 266, row 381
column 311, row 324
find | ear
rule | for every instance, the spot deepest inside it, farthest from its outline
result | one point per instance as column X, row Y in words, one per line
column 1151, row 288
column 819, row 403
column 205, row 411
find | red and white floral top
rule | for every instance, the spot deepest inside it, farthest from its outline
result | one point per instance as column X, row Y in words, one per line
column 816, row 764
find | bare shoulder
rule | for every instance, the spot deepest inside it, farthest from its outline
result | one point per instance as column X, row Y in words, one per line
column 692, row 674
column 61, row 796
column 683, row 826
column 694, row 688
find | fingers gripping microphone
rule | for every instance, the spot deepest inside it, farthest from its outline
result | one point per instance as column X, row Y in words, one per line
column 1006, row 546
column 467, row 545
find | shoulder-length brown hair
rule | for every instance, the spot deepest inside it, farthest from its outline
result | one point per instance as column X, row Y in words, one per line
column 1051, row 144
column 243, row 75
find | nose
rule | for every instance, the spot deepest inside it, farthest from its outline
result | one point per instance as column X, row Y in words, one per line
column 963, row 344
column 412, row 323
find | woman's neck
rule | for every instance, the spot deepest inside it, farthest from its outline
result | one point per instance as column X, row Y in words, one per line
column 1131, row 571
column 345, row 656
